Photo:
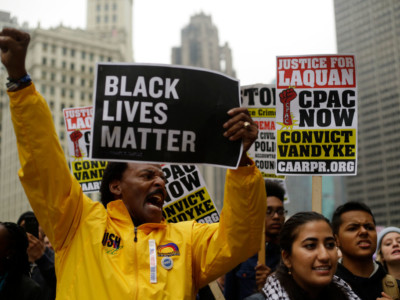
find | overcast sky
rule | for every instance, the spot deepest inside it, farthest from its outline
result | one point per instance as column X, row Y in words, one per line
column 256, row 30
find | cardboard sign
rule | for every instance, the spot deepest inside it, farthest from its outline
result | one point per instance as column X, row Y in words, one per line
column 78, row 124
column 163, row 114
column 261, row 102
column 316, row 115
column 188, row 198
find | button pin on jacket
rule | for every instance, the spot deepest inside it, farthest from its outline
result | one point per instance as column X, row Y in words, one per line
column 167, row 263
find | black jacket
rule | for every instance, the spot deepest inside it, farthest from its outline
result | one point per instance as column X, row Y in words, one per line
column 43, row 272
column 20, row 288
column 366, row 288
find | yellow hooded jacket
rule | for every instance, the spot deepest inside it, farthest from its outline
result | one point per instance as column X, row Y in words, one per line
column 99, row 252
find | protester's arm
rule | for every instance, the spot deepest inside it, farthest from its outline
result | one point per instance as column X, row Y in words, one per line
column 46, row 266
column 54, row 196
column 36, row 248
column 44, row 259
column 218, row 249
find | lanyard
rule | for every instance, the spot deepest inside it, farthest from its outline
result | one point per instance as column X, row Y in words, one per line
column 153, row 261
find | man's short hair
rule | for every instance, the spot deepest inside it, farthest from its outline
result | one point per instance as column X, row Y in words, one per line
column 24, row 216
column 113, row 171
column 274, row 189
column 349, row 206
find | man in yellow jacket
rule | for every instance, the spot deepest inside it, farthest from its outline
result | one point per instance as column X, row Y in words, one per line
column 126, row 251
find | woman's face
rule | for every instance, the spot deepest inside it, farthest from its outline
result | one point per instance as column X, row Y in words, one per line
column 314, row 256
column 390, row 247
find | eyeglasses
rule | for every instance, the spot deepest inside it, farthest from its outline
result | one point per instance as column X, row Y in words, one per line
column 280, row 211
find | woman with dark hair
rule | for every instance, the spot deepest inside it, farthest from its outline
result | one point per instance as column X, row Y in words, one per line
column 308, row 264
column 15, row 283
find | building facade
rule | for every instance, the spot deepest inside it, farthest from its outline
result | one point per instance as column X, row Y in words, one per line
column 62, row 62
column 371, row 30
column 200, row 48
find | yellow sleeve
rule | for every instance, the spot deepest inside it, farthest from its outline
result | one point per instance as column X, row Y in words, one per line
column 53, row 193
column 218, row 248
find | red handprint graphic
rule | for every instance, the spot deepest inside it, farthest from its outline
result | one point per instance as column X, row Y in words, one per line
column 286, row 97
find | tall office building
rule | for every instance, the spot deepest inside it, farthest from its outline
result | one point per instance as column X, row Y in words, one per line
column 200, row 48
column 371, row 30
column 61, row 62
column 111, row 20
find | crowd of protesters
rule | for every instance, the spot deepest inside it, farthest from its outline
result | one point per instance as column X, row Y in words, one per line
column 122, row 248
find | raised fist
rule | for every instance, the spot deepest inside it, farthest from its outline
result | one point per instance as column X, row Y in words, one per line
column 14, row 44
column 286, row 97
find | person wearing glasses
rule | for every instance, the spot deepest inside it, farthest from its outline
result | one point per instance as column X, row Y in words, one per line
column 245, row 279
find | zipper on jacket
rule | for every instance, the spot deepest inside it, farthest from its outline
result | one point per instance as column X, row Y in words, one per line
column 135, row 239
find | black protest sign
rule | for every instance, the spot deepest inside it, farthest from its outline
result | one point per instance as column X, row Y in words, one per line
column 160, row 113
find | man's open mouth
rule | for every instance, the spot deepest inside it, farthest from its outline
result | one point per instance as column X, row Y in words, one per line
column 156, row 198
column 364, row 243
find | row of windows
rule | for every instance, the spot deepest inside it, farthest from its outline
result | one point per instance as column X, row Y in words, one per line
column 393, row 114
column 375, row 162
column 395, row 148
column 71, row 65
column 373, row 190
column 379, row 214
column 394, row 195
column 375, row 206
column 64, row 65
column 106, row 7
column 73, row 52
column 374, row 180
column 72, row 80
column 390, row 102
column 394, row 186
column 396, row 211
column 393, row 167
column 65, row 93
column 394, row 158
column 389, row 134
column 105, row 19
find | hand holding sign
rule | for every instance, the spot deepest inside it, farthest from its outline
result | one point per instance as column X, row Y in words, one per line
column 237, row 128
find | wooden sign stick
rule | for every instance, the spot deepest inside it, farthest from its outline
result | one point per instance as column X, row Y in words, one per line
column 317, row 194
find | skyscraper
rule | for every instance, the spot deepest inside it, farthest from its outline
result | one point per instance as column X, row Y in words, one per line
column 371, row 30
column 61, row 62
column 200, row 48
column 111, row 21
